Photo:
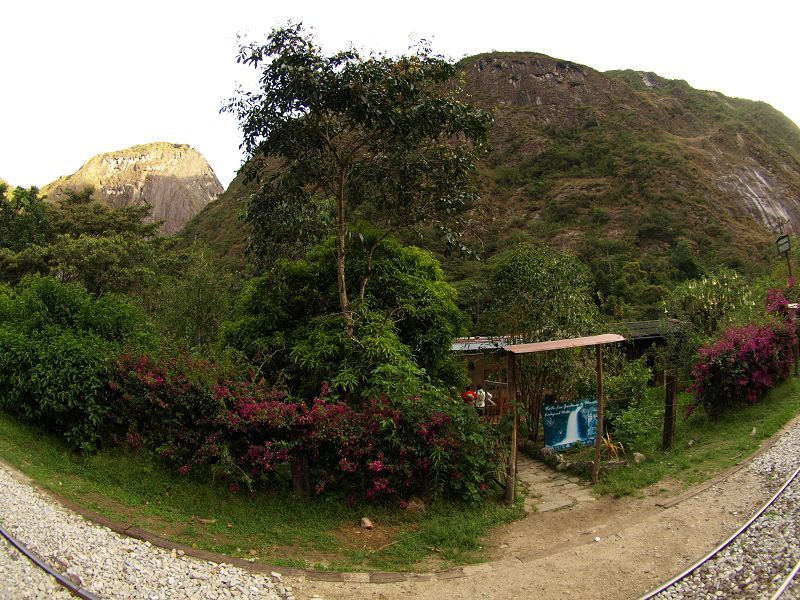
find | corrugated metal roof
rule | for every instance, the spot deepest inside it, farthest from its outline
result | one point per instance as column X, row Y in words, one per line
column 477, row 344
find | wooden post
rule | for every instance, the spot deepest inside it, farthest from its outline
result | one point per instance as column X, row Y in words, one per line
column 796, row 352
column 670, row 410
column 788, row 264
column 511, row 469
column 598, row 444
column 301, row 476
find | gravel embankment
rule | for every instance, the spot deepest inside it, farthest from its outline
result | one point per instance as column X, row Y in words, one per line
column 105, row 563
column 20, row 578
column 757, row 562
column 793, row 591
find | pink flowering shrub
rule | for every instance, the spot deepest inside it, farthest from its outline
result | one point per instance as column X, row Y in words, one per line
column 743, row 364
column 202, row 420
column 777, row 304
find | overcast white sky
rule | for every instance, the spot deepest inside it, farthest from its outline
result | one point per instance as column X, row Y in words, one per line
column 84, row 77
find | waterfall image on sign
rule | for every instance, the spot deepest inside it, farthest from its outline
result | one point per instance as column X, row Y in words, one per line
column 572, row 434
column 569, row 423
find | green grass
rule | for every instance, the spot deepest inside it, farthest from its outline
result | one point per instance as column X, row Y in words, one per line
column 275, row 528
column 703, row 448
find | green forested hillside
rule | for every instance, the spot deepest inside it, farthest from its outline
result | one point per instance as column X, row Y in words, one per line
column 648, row 180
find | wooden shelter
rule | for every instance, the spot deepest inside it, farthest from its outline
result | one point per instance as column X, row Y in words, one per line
column 511, row 356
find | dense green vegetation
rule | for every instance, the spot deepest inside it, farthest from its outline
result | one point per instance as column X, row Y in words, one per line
column 624, row 174
column 57, row 343
column 286, row 320
column 105, row 249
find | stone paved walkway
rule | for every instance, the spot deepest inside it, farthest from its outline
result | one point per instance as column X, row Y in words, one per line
column 549, row 489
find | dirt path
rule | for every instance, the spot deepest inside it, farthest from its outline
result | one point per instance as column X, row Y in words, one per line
column 554, row 554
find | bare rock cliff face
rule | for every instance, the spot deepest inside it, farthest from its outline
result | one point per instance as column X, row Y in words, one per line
column 746, row 154
column 174, row 179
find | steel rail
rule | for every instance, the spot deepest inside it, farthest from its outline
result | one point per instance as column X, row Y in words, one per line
column 786, row 583
column 725, row 544
column 67, row 583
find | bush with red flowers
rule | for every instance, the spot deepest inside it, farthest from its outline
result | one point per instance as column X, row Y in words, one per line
column 201, row 419
column 742, row 364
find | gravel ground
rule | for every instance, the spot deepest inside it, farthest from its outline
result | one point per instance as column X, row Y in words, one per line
column 105, row 563
column 793, row 591
column 551, row 547
column 758, row 561
column 20, row 578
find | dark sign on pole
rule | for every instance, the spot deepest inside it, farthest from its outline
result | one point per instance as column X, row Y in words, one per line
column 783, row 244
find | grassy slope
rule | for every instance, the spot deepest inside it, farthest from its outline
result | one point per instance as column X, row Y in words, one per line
column 703, row 448
column 275, row 528
column 220, row 225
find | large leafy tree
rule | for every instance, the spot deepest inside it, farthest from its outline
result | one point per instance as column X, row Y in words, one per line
column 331, row 136
column 285, row 321
column 539, row 294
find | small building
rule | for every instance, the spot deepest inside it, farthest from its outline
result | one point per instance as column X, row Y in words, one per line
column 486, row 366
column 643, row 335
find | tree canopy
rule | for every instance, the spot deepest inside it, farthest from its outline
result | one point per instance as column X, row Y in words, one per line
column 541, row 294
column 78, row 239
column 286, row 321
column 331, row 136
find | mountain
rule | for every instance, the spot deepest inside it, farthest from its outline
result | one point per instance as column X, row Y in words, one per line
column 174, row 179
column 648, row 180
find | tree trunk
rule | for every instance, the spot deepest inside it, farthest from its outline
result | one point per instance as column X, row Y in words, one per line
column 301, row 478
column 342, row 231
column 370, row 267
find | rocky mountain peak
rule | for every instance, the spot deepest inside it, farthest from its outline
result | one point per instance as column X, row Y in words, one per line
column 174, row 179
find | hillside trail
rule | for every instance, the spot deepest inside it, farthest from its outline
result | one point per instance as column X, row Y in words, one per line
column 553, row 552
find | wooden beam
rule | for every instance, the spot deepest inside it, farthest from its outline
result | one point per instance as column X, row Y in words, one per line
column 511, row 468
column 598, row 443
column 593, row 340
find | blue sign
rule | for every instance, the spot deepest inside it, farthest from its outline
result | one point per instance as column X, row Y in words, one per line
column 567, row 423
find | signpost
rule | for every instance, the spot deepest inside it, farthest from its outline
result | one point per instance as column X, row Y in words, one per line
column 512, row 351
column 784, row 245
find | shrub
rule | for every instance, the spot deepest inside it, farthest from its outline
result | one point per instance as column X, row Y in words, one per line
column 167, row 405
column 625, row 382
column 420, row 445
column 57, row 380
column 289, row 321
column 742, row 365
column 57, row 344
column 711, row 303
column 199, row 418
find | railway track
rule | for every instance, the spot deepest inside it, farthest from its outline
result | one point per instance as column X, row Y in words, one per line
column 790, row 588
column 61, row 579
column 760, row 560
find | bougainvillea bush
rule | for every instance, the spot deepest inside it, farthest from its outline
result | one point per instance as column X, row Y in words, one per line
column 742, row 364
column 203, row 420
